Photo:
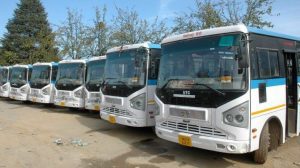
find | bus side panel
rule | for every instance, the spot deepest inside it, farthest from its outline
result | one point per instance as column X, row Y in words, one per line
column 150, row 103
column 298, row 100
column 274, row 105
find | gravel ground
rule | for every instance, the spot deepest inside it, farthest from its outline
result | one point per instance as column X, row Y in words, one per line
column 28, row 133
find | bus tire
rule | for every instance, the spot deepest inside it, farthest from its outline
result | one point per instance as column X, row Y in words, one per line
column 260, row 155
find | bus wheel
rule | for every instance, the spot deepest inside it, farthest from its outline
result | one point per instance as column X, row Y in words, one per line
column 260, row 155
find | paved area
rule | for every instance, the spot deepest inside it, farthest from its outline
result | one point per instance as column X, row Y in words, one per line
column 28, row 133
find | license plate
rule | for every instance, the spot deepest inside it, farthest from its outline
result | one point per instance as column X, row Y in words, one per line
column 185, row 140
column 34, row 99
column 97, row 107
column 62, row 104
column 112, row 119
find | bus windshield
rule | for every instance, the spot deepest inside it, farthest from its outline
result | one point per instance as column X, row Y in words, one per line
column 71, row 74
column 41, row 74
column 126, row 67
column 18, row 76
column 95, row 71
column 3, row 76
column 205, row 63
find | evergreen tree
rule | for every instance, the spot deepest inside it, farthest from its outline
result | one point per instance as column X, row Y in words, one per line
column 29, row 38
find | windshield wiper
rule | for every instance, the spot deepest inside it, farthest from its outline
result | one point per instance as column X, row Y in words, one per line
column 104, row 82
column 124, row 83
column 169, row 80
column 202, row 84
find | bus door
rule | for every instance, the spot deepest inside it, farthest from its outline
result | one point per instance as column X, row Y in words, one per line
column 291, row 93
column 298, row 92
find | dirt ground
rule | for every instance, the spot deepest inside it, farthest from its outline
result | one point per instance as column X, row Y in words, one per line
column 28, row 132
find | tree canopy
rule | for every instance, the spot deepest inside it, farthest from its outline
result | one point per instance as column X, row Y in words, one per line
column 29, row 38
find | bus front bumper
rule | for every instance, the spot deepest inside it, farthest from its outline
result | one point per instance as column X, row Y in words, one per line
column 204, row 142
column 69, row 103
column 43, row 100
column 19, row 97
column 92, row 104
column 123, row 120
column 4, row 93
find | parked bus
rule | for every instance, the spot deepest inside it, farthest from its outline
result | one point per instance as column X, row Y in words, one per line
column 42, row 82
column 94, row 79
column 19, row 82
column 130, row 78
column 70, row 83
column 230, row 89
column 4, row 81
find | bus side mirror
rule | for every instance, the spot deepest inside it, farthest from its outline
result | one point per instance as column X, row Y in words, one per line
column 242, row 55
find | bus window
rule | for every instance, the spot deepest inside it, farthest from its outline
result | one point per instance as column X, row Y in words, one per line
column 54, row 73
column 154, row 63
column 264, row 64
column 29, row 73
column 298, row 64
column 273, row 56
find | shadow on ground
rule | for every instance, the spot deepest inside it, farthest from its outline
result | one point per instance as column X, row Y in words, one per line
column 154, row 151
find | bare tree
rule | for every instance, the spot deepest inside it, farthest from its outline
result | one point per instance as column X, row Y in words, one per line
column 129, row 28
column 206, row 15
column 213, row 13
column 99, row 34
column 71, row 36
column 251, row 12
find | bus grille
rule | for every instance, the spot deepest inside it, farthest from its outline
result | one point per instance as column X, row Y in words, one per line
column 94, row 95
column 115, row 111
column 193, row 129
column 113, row 100
column 63, row 94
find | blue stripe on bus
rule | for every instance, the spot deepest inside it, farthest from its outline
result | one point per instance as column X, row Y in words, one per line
column 273, row 34
column 298, row 79
column 152, row 82
column 269, row 82
column 155, row 46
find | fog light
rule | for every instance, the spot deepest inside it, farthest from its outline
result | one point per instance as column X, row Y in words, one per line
column 239, row 118
column 221, row 146
column 229, row 118
column 231, row 148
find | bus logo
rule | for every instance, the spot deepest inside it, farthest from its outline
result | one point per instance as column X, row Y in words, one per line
column 186, row 92
column 185, row 114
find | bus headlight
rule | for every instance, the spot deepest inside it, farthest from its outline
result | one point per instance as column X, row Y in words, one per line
column 157, row 109
column 46, row 91
column 237, row 116
column 138, row 102
column 5, row 88
column 78, row 93
column 23, row 90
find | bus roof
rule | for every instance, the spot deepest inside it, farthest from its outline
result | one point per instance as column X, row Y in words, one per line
column 102, row 57
column 227, row 29
column 5, row 67
column 72, row 61
column 46, row 63
column 134, row 46
column 22, row 66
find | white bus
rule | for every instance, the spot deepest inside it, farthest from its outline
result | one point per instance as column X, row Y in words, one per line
column 4, row 81
column 69, row 86
column 129, row 83
column 42, row 82
column 94, row 79
column 230, row 89
column 19, row 82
